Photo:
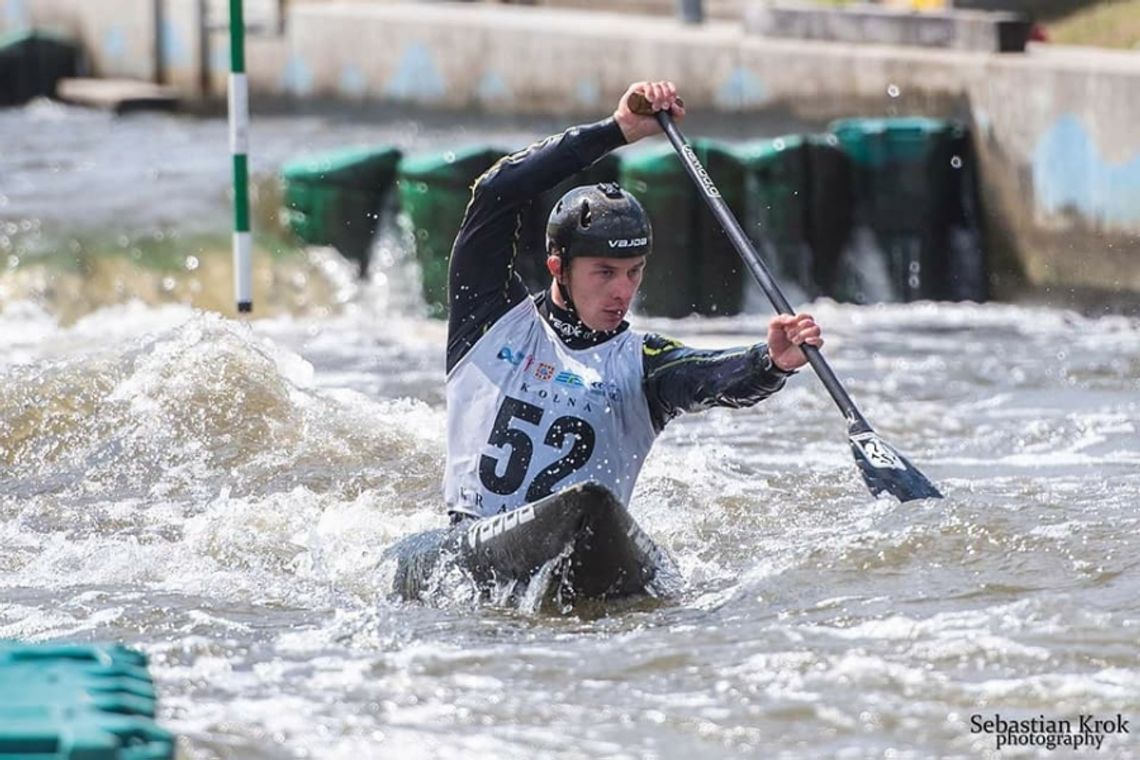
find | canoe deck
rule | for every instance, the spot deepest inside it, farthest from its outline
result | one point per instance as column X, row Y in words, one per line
column 599, row 551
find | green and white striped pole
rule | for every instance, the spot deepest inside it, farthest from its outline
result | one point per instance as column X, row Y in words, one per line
column 239, row 149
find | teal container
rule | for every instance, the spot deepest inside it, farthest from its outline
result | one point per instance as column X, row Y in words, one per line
column 910, row 186
column 830, row 208
column 41, row 733
column 693, row 267
column 894, row 165
column 32, row 63
column 798, row 207
column 78, row 701
column 776, row 205
column 434, row 190
column 335, row 198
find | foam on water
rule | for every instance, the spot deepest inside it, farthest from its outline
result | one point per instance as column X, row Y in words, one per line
column 219, row 493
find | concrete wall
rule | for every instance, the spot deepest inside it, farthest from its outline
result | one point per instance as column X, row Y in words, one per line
column 1055, row 128
column 864, row 23
column 118, row 35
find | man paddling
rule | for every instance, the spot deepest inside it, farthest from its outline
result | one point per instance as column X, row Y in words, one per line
column 547, row 391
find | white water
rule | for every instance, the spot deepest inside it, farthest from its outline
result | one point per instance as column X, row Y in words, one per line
column 218, row 494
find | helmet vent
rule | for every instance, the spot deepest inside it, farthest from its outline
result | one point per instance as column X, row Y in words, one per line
column 585, row 219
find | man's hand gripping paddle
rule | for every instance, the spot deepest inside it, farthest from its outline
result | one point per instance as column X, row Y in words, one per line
column 882, row 466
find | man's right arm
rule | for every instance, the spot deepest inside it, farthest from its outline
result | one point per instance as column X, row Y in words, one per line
column 482, row 282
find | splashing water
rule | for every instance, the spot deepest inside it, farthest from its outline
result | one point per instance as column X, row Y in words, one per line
column 219, row 494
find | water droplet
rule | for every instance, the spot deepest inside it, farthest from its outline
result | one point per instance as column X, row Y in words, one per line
column 956, row 162
column 191, row 263
column 13, row 261
column 893, row 90
column 778, row 143
column 168, row 284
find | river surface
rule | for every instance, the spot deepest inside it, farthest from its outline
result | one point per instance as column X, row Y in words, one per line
column 217, row 493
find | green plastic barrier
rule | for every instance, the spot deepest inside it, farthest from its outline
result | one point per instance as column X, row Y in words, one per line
column 830, row 208
column 335, row 199
column 434, row 190
column 693, row 268
column 32, row 63
column 912, row 185
column 776, row 202
column 82, row 702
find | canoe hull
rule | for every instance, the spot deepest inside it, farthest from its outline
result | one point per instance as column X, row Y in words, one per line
column 601, row 551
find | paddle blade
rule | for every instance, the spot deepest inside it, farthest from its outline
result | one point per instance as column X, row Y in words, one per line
column 885, row 469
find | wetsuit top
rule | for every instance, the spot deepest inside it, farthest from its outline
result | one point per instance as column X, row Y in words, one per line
column 537, row 401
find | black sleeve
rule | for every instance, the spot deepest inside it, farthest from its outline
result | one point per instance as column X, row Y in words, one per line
column 482, row 282
column 682, row 379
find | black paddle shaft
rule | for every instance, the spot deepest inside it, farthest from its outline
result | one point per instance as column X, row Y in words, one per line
column 856, row 422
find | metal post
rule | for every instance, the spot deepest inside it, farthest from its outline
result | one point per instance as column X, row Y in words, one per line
column 159, row 41
column 239, row 148
column 204, row 68
column 691, row 11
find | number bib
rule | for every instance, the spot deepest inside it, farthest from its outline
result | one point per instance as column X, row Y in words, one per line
column 527, row 416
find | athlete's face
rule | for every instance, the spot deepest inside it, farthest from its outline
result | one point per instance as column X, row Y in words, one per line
column 602, row 288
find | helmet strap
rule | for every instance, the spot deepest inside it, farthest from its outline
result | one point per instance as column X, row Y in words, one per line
column 563, row 278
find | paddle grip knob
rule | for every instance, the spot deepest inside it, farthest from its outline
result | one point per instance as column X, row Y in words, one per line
column 641, row 106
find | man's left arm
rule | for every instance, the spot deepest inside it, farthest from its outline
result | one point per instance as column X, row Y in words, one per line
column 679, row 379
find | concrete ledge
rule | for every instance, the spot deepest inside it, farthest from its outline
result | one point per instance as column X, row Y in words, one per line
column 961, row 30
column 117, row 95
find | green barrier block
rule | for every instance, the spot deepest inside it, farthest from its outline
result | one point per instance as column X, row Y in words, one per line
column 798, row 207
column 776, row 185
column 912, row 186
column 776, row 198
column 830, row 208
column 434, row 190
column 894, row 163
column 32, row 63
column 693, row 267
column 335, row 198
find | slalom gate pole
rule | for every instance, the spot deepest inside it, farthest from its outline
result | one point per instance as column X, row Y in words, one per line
column 239, row 150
